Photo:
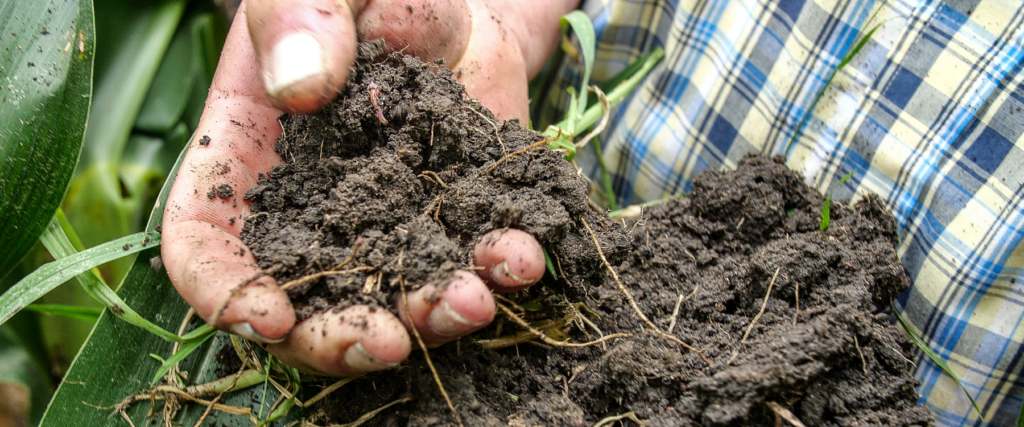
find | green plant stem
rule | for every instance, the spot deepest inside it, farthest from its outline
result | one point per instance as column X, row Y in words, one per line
column 594, row 112
column 606, row 179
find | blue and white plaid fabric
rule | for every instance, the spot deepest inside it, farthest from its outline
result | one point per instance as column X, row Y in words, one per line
column 928, row 114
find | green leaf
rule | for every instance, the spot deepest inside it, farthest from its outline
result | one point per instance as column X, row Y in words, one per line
column 89, row 314
column 205, row 333
column 549, row 264
column 584, row 30
column 935, row 359
column 826, row 215
column 51, row 275
column 47, row 73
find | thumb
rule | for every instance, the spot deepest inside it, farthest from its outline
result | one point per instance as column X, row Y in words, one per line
column 305, row 49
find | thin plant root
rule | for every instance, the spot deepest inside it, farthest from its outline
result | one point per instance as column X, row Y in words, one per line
column 604, row 118
column 550, row 341
column 863, row 362
column 220, row 395
column 679, row 302
column 426, row 354
column 330, row 389
column 781, row 412
column 632, row 302
column 528, row 148
column 609, row 420
column 366, row 417
column 315, row 276
column 750, row 327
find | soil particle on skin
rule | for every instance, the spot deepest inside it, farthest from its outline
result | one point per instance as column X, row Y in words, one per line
column 204, row 141
column 223, row 191
column 408, row 200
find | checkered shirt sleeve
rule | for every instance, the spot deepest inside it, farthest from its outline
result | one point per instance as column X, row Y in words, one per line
column 928, row 114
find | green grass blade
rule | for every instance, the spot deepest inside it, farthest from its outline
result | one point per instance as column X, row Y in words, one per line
column 936, row 360
column 857, row 46
column 584, row 29
column 606, row 179
column 51, row 275
column 206, row 332
column 549, row 264
column 826, row 209
column 89, row 314
column 594, row 113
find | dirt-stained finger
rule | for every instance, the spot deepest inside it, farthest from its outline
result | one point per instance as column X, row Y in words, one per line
column 207, row 263
column 352, row 341
column 305, row 49
column 440, row 316
column 511, row 259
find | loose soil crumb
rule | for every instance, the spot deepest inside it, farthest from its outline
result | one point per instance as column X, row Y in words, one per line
column 411, row 197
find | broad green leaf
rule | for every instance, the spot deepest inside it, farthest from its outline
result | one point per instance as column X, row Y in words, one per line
column 47, row 79
column 171, row 87
column 132, row 40
column 51, row 275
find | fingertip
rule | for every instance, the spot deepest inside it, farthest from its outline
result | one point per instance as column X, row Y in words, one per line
column 260, row 311
column 352, row 341
column 305, row 50
column 440, row 316
column 512, row 259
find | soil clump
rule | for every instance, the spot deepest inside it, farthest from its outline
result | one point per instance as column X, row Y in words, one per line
column 393, row 181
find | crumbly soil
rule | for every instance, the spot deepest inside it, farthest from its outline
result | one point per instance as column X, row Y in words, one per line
column 408, row 199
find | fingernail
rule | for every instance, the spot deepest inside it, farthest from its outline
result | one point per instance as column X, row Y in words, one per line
column 360, row 360
column 502, row 270
column 293, row 58
column 446, row 322
column 245, row 330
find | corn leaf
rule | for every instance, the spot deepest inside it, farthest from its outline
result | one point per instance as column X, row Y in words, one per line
column 47, row 73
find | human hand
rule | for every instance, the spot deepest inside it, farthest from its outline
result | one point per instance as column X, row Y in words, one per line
column 293, row 55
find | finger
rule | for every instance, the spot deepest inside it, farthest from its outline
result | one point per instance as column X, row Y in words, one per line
column 428, row 29
column 305, row 49
column 440, row 316
column 352, row 341
column 206, row 261
column 511, row 259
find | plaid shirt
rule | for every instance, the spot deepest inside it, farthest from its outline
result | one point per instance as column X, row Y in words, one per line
column 928, row 114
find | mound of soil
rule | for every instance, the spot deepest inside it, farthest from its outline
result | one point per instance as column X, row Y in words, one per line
column 789, row 321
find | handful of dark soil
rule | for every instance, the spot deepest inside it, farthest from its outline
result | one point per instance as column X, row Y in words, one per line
column 792, row 320
column 398, row 176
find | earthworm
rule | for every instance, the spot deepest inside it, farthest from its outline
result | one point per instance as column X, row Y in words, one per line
column 374, row 91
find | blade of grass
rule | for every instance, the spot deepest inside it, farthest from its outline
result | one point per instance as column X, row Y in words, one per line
column 827, row 207
column 858, row 45
column 52, row 274
column 57, row 242
column 935, row 359
column 606, row 179
column 549, row 264
column 89, row 314
column 205, row 332
column 584, row 29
